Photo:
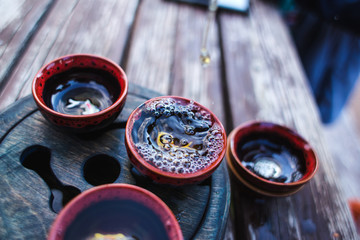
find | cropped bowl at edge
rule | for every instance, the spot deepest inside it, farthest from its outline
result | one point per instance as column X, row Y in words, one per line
column 95, row 211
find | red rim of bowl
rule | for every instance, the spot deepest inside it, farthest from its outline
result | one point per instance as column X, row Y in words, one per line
column 283, row 129
column 177, row 176
column 75, row 206
column 118, row 101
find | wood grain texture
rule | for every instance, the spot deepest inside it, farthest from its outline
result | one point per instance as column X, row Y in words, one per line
column 343, row 140
column 72, row 26
column 20, row 19
column 204, row 85
column 254, row 74
column 152, row 46
column 353, row 106
column 266, row 83
column 164, row 55
column 188, row 77
column 24, row 196
column 175, row 48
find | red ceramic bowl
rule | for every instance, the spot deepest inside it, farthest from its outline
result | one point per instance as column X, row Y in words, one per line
column 270, row 159
column 174, row 140
column 116, row 209
column 99, row 92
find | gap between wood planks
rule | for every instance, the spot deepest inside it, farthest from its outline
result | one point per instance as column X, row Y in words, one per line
column 26, row 43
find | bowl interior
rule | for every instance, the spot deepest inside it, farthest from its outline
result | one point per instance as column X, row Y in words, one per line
column 272, row 154
column 116, row 209
column 259, row 190
column 176, row 137
column 79, row 85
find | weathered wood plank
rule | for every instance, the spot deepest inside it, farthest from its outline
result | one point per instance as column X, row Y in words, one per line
column 152, row 46
column 19, row 20
column 73, row 26
column 204, row 85
column 343, row 141
column 14, row 115
column 166, row 58
column 189, row 78
column 266, row 83
column 353, row 106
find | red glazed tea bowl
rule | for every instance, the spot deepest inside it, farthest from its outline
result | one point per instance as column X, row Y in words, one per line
column 174, row 140
column 270, row 159
column 116, row 210
column 81, row 92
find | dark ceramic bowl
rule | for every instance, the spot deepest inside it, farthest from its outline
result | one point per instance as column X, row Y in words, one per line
column 174, row 140
column 116, row 209
column 270, row 159
column 81, row 92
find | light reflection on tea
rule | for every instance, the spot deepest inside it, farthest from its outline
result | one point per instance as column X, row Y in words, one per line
column 271, row 157
column 118, row 236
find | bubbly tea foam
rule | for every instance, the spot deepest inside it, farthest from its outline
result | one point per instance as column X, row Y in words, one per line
column 177, row 136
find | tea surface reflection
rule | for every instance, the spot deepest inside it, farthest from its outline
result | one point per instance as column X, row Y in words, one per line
column 117, row 217
column 271, row 157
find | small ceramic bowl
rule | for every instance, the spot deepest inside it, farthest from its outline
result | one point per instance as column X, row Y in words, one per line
column 80, row 92
column 270, row 159
column 116, row 210
column 174, row 140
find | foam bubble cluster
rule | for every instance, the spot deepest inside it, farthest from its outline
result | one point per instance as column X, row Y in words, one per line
column 177, row 136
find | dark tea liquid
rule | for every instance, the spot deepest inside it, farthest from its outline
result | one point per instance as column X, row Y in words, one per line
column 81, row 91
column 271, row 157
column 126, row 217
column 177, row 136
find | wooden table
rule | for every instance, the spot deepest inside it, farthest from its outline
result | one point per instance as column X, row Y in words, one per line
column 254, row 74
column 35, row 157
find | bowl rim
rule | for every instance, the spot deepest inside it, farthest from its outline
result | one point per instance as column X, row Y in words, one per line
column 248, row 124
column 62, row 221
column 119, row 100
column 157, row 171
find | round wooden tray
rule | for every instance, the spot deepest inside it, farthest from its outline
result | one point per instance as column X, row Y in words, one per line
column 39, row 162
